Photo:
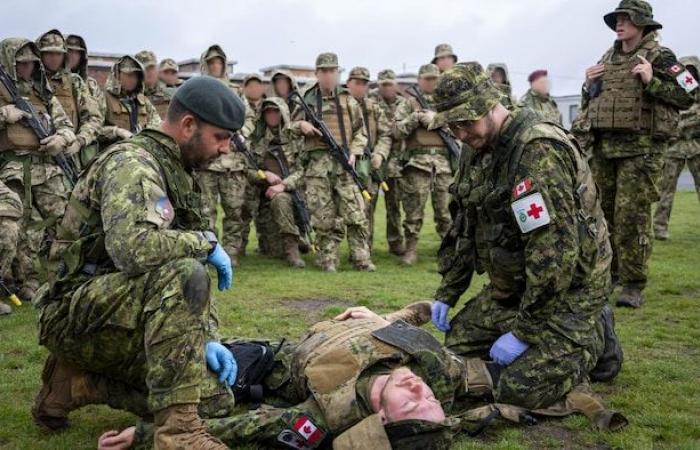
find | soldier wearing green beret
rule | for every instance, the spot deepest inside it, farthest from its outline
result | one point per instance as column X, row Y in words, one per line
column 130, row 256
column 627, row 143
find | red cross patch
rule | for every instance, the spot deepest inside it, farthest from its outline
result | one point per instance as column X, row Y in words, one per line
column 531, row 212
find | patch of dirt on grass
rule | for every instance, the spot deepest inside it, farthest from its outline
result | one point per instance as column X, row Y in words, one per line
column 550, row 434
column 314, row 308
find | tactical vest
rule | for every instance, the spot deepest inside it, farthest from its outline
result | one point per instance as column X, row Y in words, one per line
column 80, row 243
column 329, row 116
column 622, row 105
column 118, row 114
column 18, row 136
column 369, row 114
column 421, row 137
column 329, row 361
column 63, row 90
column 161, row 103
column 500, row 245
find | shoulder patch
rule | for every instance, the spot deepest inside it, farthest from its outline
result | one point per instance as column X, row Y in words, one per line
column 291, row 440
column 674, row 69
column 522, row 188
column 307, row 430
column 165, row 209
column 531, row 212
column 686, row 80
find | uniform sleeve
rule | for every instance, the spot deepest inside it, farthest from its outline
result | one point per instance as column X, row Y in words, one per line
column 406, row 121
column 664, row 86
column 89, row 111
column 249, row 122
column 136, row 215
column 384, row 134
column 153, row 120
column 359, row 135
column 63, row 125
column 551, row 249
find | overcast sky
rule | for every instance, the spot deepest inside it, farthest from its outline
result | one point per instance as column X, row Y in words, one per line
column 564, row 36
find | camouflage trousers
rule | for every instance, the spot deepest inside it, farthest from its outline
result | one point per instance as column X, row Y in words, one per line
column 628, row 188
column 672, row 171
column 336, row 205
column 44, row 200
column 542, row 375
column 275, row 219
column 148, row 330
column 230, row 189
column 416, row 186
column 392, row 202
column 250, row 214
column 10, row 218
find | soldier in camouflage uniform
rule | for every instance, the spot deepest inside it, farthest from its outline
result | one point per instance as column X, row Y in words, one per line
column 427, row 170
column 167, row 73
column 686, row 150
column 390, row 100
column 335, row 202
column 527, row 214
column 273, row 139
column 27, row 166
column 364, row 381
column 11, row 211
column 537, row 98
column 628, row 143
column 379, row 135
column 225, row 179
column 444, row 57
column 128, row 314
column 71, row 91
column 282, row 83
column 77, row 63
column 500, row 78
column 127, row 109
column 153, row 88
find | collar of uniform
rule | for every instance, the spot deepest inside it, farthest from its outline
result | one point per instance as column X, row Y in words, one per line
column 164, row 140
column 504, row 136
column 538, row 95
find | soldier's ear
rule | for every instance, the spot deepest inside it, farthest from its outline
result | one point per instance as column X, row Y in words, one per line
column 382, row 415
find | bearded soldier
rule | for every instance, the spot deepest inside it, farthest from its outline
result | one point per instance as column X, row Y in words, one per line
column 684, row 150
column 27, row 165
column 629, row 142
column 427, row 170
column 335, row 202
column 379, row 134
column 153, row 88
column 131, row 253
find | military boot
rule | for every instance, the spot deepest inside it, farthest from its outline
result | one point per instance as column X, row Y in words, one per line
column 328, row 265
column 365, row 266
column 397, row 248
column 610, row 361
column 410, row 257
column 661, row 235
column 416, row 314
column 291, row 251
column 179, row 426
column 630, row 297
column 65, row 389
column 5, row 309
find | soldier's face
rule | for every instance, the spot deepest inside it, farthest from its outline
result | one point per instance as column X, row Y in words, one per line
column 283, row 87
column 151, row 76
column 129, row 81
column 216, row 67
column 478, row 134
column 74, row 58
column 327, row 78
column 427, row 84
column 388, row 91
column 25, row 69
column 200, row 143
column 445, row 62
column 168, row 77
column 254, row 90
column 406, row 396
column 540, row 85
column 273, row 117
column 625, row 29
column 53, row 61
column 497, row 76
column 358, row 88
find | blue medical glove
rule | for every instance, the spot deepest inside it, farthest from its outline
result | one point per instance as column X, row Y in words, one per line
column 507, row 348
column 224, row 271
column 220, row 360
column 439, row 312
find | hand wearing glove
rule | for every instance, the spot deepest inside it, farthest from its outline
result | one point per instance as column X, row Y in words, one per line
column 12, row 114
column 439, row 312
column 121, row 133
column 377, row 161
column 54, row 144
column 222, row 262
column 507, row 348
column 220, row 360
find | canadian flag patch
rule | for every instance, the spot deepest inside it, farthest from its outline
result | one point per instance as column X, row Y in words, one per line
column 687, row 81
column 531, row 212
column 522, row 188
column 292, row 440
column 308, row 430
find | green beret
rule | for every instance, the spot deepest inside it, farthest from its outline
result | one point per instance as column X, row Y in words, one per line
column 210, row 100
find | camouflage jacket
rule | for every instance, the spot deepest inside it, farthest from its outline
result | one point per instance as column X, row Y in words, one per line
column 542, row 104
column 393, row 167
column 528, row 215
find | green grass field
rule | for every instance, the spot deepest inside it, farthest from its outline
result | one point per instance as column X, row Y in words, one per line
column 658, row 389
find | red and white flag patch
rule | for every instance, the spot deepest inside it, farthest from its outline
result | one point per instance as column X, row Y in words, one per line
column 522, row 188
column 675, row 69
column 306, row 429
column 687, row 81
column 531, row 212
